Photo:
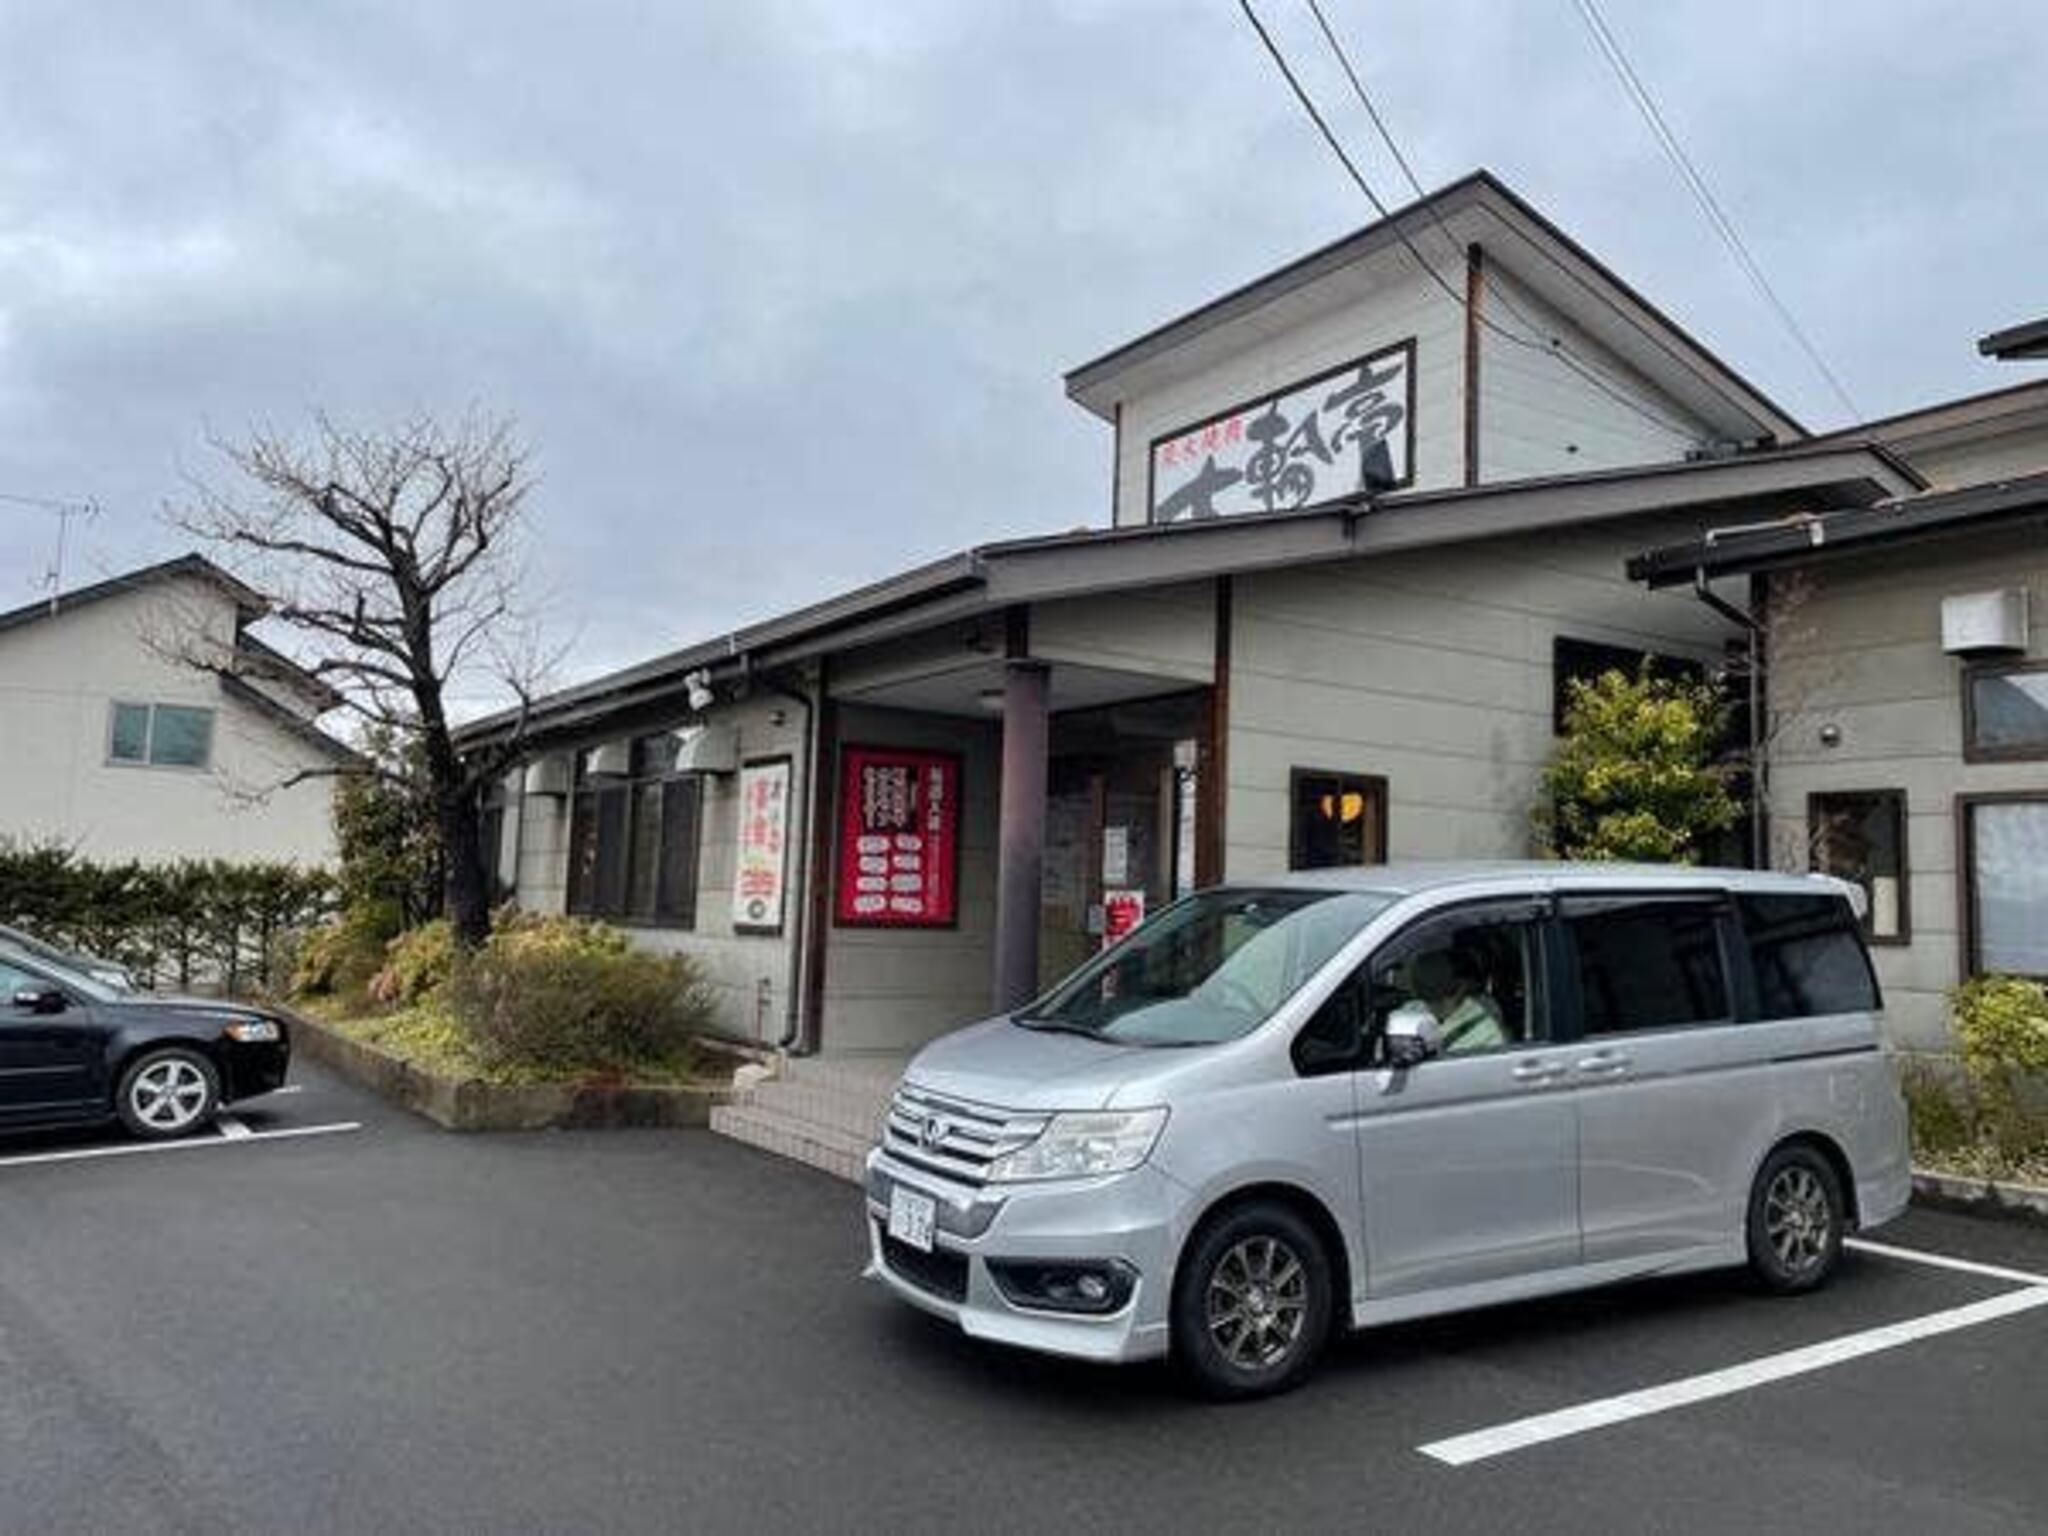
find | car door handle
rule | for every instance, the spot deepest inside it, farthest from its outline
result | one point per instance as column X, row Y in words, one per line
column 1538, row 1071
column 1604, row 1064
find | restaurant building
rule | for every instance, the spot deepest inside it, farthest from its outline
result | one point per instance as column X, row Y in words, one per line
column 1369, row 513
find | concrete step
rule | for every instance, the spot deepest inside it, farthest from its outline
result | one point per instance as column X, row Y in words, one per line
column 840, row 1153
column 859, row 1111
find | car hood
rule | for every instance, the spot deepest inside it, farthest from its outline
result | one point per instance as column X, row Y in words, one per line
column 1008, row 1066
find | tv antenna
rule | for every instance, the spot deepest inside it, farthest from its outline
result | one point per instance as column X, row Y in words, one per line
column 64, row 512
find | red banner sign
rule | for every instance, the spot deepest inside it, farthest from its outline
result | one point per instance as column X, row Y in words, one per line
column 899, row 838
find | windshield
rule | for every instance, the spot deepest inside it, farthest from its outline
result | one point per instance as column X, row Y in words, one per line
column 66, row 975
column 1213, row 967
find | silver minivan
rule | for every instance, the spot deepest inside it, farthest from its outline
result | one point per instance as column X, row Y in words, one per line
column 1350, row 1098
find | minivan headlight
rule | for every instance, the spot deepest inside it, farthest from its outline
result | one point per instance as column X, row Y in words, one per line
column 1073, row 1146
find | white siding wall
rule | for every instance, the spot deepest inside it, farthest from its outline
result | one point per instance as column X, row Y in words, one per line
column 59, row 678
column 1301, row 337
column 1434, row 670
column 1858, row 645
column 890, row 989
column 1165, row 632
column 1538, row 416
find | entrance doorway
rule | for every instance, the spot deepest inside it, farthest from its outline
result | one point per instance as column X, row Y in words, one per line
column 1120, row 822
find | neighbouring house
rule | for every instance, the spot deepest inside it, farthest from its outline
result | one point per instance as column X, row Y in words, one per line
column 1370, row 513
column 1906, row 690
column 113, row 743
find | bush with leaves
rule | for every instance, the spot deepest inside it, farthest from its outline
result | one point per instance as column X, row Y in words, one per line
column 565, row 997
column 1635, row 775
column 417, row 964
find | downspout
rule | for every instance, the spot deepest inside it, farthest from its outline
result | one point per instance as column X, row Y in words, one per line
column 799, row 910
column 1759, row 770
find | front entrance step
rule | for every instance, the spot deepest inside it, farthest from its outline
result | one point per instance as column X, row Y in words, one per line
column 858, row 1111
column 840, row 1153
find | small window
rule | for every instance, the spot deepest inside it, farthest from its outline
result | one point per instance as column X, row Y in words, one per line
column 129, row 741
column 1806, row 957
column 1861, row 837
column 2005, row 875
column 1581, row 661
column 1648, row 964
column 1338, row 820
column 2005, row 712
column 633, row 839
column 162, row 735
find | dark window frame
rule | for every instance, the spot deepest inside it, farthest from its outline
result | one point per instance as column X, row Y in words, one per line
column 1903, row 939
column 1966, row 868
column 1972, row 753
column 606, row 893
column 1374, row 786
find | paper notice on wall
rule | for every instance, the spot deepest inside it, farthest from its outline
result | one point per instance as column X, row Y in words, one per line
column 1884, row 906
column 758, row 870
column 1116, row 855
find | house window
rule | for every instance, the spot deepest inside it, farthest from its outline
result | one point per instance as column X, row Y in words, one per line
column 1860, row 837
column 160, row 735
column 2005, row 883
column 1338, row 819
column 633, row 835
column 2005, row 712
column 1582, row 661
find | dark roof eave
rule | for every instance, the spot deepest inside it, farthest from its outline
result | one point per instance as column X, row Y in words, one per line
column 1806, row 540
column 2017, row 342
column 247, row 600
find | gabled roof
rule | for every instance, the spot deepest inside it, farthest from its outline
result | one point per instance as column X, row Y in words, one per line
column 991, row 578
column 1806, row 540
column 2017, row 343
column 1535, row 251
column 248, row 602
column 2013, row 407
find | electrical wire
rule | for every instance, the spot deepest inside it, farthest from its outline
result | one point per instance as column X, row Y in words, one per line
column 1554, row 348
column 1609, row 46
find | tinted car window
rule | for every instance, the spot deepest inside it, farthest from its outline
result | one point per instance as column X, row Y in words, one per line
column 1807, row 957
column 1648, row 965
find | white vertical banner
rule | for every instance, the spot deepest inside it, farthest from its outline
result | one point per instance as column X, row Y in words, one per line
column 759, row 875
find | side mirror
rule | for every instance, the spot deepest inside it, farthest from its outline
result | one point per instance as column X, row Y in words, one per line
column 44, row 999
column 1412, row 1035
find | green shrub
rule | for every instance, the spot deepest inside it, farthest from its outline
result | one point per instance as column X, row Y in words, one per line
column 2001, row 1024
column 416, row 964
column 339, row 958
column 1938, row 1108
column 565, row 997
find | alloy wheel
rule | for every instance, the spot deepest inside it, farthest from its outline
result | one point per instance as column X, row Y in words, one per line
column 168, row 1095
column 1257, row 1303
column 1799, row 1219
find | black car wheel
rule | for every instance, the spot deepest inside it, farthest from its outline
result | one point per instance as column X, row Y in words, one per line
column 1796, row 1220
column 168, row 1092
column 1251, row 1303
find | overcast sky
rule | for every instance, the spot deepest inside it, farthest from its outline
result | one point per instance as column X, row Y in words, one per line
column 780, row 291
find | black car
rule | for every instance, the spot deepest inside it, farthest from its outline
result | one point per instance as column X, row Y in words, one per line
column 73, row 1049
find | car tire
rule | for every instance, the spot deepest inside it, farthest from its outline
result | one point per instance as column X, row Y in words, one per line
column 1797, row 1219
column 166, row 1093
column 1252, row 1302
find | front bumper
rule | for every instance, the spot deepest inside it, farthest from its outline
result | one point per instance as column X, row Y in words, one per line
column 250, row 1069
column 1127, row 1217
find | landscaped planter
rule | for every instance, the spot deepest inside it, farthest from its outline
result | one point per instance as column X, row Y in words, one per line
column 470, row 1105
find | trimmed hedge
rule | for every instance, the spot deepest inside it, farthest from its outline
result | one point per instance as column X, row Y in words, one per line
column 214, row 922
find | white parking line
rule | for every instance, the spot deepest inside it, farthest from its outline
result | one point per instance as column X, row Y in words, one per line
column 231, row 1129
column 189, row 1145
column 1484, row 1444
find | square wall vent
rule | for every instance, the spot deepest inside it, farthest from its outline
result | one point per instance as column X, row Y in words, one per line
column 1985, row 623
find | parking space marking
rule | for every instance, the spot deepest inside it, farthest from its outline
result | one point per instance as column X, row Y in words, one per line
column 78, row 1154
column 231, row 1129
column 1943, row 1261
column 1484, row 1444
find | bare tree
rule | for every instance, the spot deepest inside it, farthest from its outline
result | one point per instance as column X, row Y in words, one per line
column 393, row 557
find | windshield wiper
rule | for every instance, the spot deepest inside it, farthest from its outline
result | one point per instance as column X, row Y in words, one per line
column 1052, row 1026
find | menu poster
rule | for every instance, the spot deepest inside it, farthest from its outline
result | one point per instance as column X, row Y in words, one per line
column 899, row 838
column 758, row 874
column 1122, row 913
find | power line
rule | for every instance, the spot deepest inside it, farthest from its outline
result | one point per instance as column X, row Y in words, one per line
column 1717, row 217
column 1556, row 346
column 1540, row 338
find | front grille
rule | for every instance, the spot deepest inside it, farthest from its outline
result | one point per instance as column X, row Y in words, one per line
column 952, row 1136
column 941, row 1273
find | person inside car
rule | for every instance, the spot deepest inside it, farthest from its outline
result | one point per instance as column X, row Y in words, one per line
column 1470, row 1020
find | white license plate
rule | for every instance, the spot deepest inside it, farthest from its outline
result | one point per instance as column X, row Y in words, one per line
column 912, row 1217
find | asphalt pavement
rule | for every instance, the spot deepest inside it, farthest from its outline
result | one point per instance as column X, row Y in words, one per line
column 380, row 1327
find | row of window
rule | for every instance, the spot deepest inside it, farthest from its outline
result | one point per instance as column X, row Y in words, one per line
column 160, row 735
column 633, row 834
column 1478, row 979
